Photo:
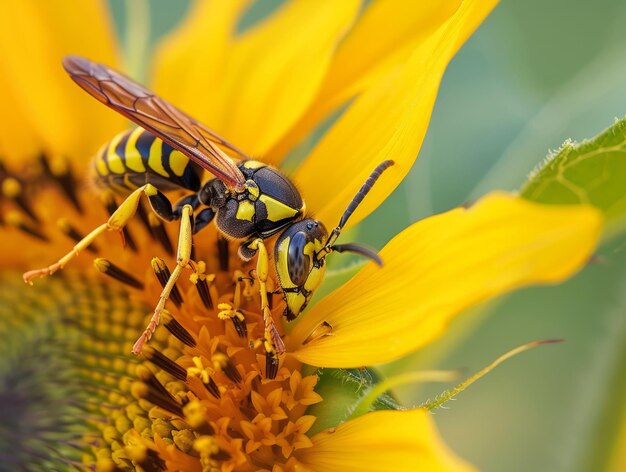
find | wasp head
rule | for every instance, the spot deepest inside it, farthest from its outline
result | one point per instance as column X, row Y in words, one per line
column 300, row 270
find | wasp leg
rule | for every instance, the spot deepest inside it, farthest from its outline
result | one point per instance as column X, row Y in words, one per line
column 118, row 220
column 161, row 205
column 202, row 219
column 183, row 259
column 262, row 272
column 192, row 200
column 247, row 249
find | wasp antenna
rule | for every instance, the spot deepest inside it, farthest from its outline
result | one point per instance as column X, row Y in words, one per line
column 359, row 249
column 356, row 201
column 367, row 186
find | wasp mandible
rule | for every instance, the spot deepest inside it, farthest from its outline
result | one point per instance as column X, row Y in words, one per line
column 248, row 200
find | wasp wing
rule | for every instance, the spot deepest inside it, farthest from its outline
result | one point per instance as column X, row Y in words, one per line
column 157, row 116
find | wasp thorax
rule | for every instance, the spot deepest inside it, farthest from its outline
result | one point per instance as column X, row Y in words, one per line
column 299, row 270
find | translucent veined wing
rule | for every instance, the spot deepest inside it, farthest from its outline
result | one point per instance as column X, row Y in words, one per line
column 157, row 116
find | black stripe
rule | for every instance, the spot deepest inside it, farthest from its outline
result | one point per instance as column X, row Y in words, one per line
column 120, row 149
column 143, row 145
column 166, row 150
column 105, row 157
column 191, row 177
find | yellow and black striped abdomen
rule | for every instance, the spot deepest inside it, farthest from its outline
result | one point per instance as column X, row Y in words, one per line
column 137, row 157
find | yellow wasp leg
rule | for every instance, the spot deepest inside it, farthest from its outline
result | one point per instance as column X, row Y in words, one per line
column 116, row 222
column 262, row 273
column 183, row 258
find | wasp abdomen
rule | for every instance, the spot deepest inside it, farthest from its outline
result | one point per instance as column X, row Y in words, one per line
column 136, row 157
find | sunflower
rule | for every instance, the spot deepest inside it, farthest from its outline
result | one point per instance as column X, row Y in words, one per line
column 200, row 397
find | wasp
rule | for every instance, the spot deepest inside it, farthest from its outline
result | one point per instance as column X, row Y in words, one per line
column 248, row 200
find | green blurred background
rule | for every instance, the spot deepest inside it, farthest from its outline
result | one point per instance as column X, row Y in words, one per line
column 534, row 74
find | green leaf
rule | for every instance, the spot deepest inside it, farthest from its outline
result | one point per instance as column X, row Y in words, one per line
column 591, row 172
column 350, row 393
column 343, row 390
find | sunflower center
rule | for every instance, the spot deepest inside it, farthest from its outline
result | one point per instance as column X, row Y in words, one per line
column 203, row 395
column 242, row 416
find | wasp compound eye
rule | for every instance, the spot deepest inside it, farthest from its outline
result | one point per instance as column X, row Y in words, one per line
column 298, row 263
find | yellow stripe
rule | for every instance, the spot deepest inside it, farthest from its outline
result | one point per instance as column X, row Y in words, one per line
column 315, row 278
column 133, row 158
column 128, row 182
column 154, row 161
column 178, row 162
column 295, row 302
column 101, row 166
column 245, row 211
column 253, row 190
column 253, row 164
column 115, row 162
column 276, row 210
column 309, row 250
column 281, row 265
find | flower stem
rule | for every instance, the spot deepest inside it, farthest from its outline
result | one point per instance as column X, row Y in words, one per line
column 377, row 390
column 451, row 393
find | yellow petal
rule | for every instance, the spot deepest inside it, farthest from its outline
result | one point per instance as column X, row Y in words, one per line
column 404, row 24
column 385, row 36
column 251, row 89
column 275, row 70
column 18, row 140
column 388, row 121
column 617, row 450
column 189, row 63
column 382, row 441
column 34, row 36
column 440, row 266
